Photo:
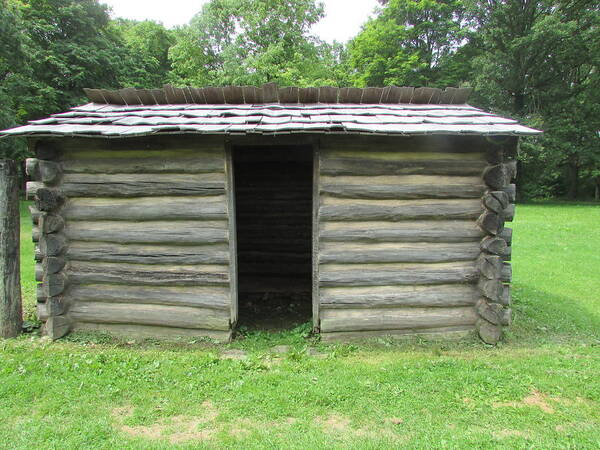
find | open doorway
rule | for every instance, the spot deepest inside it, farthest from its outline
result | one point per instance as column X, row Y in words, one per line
column 273, row 195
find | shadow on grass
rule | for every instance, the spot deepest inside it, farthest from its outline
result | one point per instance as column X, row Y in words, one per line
column 540, row 316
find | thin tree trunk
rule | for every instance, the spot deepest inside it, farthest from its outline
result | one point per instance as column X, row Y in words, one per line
column 11, row 313
column 573, row 188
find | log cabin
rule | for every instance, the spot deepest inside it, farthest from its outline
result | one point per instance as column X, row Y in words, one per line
column 378, row 211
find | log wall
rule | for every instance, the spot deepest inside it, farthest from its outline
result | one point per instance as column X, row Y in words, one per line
column 133, row 236
column 410, row 236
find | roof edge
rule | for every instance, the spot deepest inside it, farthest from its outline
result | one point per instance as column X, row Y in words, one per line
column 272, row 93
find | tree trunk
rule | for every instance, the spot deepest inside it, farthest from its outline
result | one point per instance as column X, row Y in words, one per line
column 573, row 188
column 11, row 314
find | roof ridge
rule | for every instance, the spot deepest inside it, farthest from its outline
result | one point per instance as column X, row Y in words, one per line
column 271, row 93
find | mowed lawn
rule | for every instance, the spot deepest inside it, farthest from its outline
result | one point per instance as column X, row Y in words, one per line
column 538, row 389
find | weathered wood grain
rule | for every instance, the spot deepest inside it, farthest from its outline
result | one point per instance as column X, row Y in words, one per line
column 403, row 191
column 152, row 232
column 489, row 333
column 148, row 164
column 212, row 297
column 491, row 222
column 434, row 334
column 158, row 315
column 397, row 210
column 148, row 254
column 150, row 275
column 405, row 231
column 494, row 245
column 355, row 166
column 152, row 332
column 447, row 295
column 11, row 314
column 143, row 185
column 334, row 320
column 396, row 274
column 53, row 244
column 51, row 223
column 341, row 252
column 57, row 326
column 146, row 208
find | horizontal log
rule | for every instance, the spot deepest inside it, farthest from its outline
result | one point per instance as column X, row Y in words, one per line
column 492, row 312
column 390, row 210
column 496, row 177
column 511, row 168
column 160, row 315
column 494, row 290
column 37, row 253
column 496, row 201
column 35, row 214
column 53, row 264
column 32, row 169
column 489, row 333
column 213, row 297
column 407, row 191
column 399, row 296
column 406, row 231
column 148, row 164
column 436, row 333
column 148, row 254
column 31, row 189
column 142, row 185
column 509, row 212
column 506, row 273
column 150, row 275
column 35, row 234
column 494, row 245
column 57, row 326
column 491, row 222
column 396, row 274
column 337, row 252
column 511, row 191
column 152, row 332
column 54, row 306
column 155, row 232
column 146, row 208
column 490, row 266
column 505, row 298
column 48, row 172
column 40, row 295
column 54, row 284
column 48, row 199
column 51, row 223
column 46, row 150
column 372, row 152
column 39, row 272
column 506, row 234
column 356, row 166
column 53, row 244
column 334, row 320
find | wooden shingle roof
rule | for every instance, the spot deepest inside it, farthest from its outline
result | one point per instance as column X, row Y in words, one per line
column 102, row 119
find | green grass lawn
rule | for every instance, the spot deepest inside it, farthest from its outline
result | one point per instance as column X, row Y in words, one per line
column 539, row 389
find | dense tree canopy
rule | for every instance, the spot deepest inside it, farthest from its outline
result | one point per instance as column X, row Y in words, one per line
column 535, row 60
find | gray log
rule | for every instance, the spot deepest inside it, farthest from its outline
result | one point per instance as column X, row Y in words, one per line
column 144, row 185
column 511, row 169
column 491, row 289
column 169, row 316
column 435, row 334
column 374, row 276
column 405, row 191
column 54, row 306
column 57, row 326
column 205, row 297
column 159, row 232
column 35, row 234
column 11, row 313
column 51, row 223
column 31, row 188
column 506, row 273
column 35, row 214
column 511, row 191
column 50, row 172
column 54, row 284
column 147, row 254
column 39, row 272
column 53, row 264
column 350, row 166
column 509, row 212
column 492, row 312
column 465, row 209
column 401, row 296
column 150, row 164
column 496, row 176
column 506, row 234
column 504, row 298
column 491, row 222
column 496, row 201
column 398, row 253
column 53, row 244
column 48, row 199
column 145, row 208
column 334, row 320
column 494, row 245
column 32, row 169
column 489, row 333
column 84, row 273
column 452, row 231
column 490, row 266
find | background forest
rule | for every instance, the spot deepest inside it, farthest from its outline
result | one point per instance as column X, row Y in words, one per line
column 536, row 61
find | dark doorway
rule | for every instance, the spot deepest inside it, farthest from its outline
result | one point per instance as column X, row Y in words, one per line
column 273, row 195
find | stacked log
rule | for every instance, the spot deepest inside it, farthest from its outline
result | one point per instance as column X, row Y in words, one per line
column 133, row 236
column 398, row 240
column 48, row 232
column 495, row 273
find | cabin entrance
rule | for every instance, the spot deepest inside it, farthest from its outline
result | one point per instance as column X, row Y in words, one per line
column 273, row 198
